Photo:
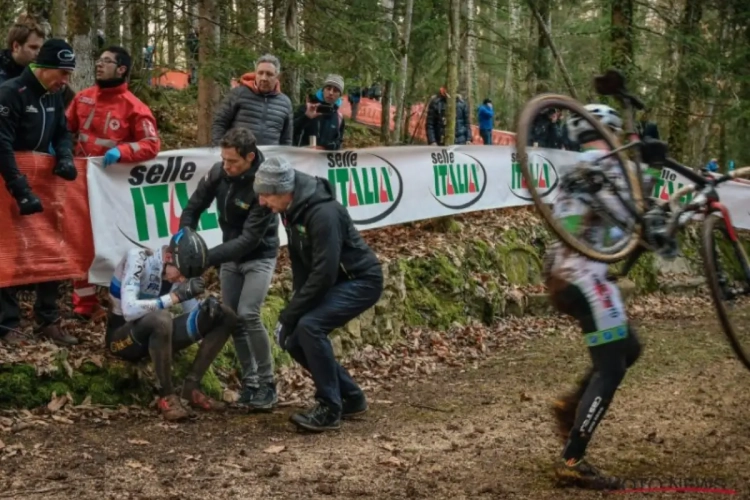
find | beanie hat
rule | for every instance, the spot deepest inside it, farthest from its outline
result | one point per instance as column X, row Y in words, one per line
column 56, row 54
column 335, row 81
column 274, row 176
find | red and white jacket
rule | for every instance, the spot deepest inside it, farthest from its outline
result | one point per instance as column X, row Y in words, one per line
column 104, row 118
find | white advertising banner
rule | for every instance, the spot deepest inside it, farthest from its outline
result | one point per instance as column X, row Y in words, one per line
column 140, row 204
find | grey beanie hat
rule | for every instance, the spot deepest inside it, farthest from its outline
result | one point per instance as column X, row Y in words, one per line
column 274, row 176
column 335, row 81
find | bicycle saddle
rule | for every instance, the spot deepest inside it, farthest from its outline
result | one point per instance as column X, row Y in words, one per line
column 612, row 82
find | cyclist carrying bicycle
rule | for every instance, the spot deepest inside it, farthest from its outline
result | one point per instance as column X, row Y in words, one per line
column 579, row 287
column 144, row 287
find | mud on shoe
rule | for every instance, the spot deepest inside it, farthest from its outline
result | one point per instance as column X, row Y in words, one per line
column 265, row 398
column 354, row 405
column 171, row 408
column 581, row 474
column 198, row 399
column 321, row 418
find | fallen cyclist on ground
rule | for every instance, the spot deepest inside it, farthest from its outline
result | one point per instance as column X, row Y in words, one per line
column 144, row 286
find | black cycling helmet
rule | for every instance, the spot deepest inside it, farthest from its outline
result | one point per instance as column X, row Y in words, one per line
column 189, row 252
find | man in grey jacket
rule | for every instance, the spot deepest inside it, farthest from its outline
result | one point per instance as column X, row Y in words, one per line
column 257, row 104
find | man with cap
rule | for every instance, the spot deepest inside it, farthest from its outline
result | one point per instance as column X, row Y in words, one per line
column 335, row 277
column 32, row 118
column 320, row 117
column 110, row 121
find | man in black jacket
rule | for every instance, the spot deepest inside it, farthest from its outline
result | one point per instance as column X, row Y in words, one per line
column 24, row 40
column 320, row 117
column 247, row 256
column 32, row 118
column 336, row 277
column 435, row 124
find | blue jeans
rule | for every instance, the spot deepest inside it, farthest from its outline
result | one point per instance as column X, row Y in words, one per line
column 310, row 346
column 486, row 136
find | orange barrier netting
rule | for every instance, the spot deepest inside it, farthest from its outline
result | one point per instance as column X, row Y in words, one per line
column 370, row 112
column 56, row 244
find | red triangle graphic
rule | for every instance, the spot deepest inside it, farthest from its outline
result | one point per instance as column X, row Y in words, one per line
column 664, row 195
column 472, row 186
column 353, row 200
column 541, row 181
column 383, row 192
column 450, row 189
column 174, row 220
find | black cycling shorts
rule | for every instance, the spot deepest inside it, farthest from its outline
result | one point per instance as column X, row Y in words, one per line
column 129, row 340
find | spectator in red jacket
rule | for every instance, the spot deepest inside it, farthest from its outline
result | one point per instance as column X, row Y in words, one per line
column 109, row 121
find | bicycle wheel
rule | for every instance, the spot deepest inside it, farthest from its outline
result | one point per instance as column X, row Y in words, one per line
column 630, row 239
column 728, row 278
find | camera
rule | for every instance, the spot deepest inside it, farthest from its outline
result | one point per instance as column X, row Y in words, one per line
column 325, row 108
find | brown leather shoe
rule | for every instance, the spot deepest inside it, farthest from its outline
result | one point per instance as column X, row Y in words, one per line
column 57, row 335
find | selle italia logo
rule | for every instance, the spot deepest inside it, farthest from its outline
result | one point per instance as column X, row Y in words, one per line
column 368, row 185
column 667, row 185
column 157, row 190
column 543, row 172
column 459, row 179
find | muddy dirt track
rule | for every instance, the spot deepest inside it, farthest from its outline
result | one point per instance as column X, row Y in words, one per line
column 478, row 433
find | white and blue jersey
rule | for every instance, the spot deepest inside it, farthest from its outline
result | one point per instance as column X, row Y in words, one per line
column 138, row 288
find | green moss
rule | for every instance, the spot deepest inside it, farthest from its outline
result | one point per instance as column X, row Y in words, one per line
column 434, row 288
column 112, row 384
column 269, row 314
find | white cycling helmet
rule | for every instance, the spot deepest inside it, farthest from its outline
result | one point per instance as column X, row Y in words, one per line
column 607, row 115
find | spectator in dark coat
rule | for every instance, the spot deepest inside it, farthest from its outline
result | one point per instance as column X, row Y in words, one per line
column 258, row 104
column 320, row 117
column 24, row 40
column 435, row 123
column 647, row 128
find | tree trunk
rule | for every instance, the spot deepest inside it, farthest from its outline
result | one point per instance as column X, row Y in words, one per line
column 207, row 89
column 621, row 36
column 689, row 39
column 247, row 16
column 492, row 84
column 80, row 17
column 512, row 69
column 41, row 9
column 171, row 40
column 542, row 66
column 389, row 7
column 468, row 68
column 127, row 10
column 404, row 70
column 138, row 33
column 454, row 45
column 59, row 19
column 545, row 32
column 268, row 16
column 112, row 22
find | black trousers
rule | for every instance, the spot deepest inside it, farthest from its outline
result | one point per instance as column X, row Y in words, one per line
column 46, row 311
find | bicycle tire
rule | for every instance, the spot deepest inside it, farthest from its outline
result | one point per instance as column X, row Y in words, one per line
column 528, row 114
column 712, row 279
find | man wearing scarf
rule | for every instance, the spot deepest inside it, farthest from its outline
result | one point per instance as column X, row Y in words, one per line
column 321, row 118
column 109, row 121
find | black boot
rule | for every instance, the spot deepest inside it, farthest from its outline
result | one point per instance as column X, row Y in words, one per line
column 319, row 419
column 354, row 405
